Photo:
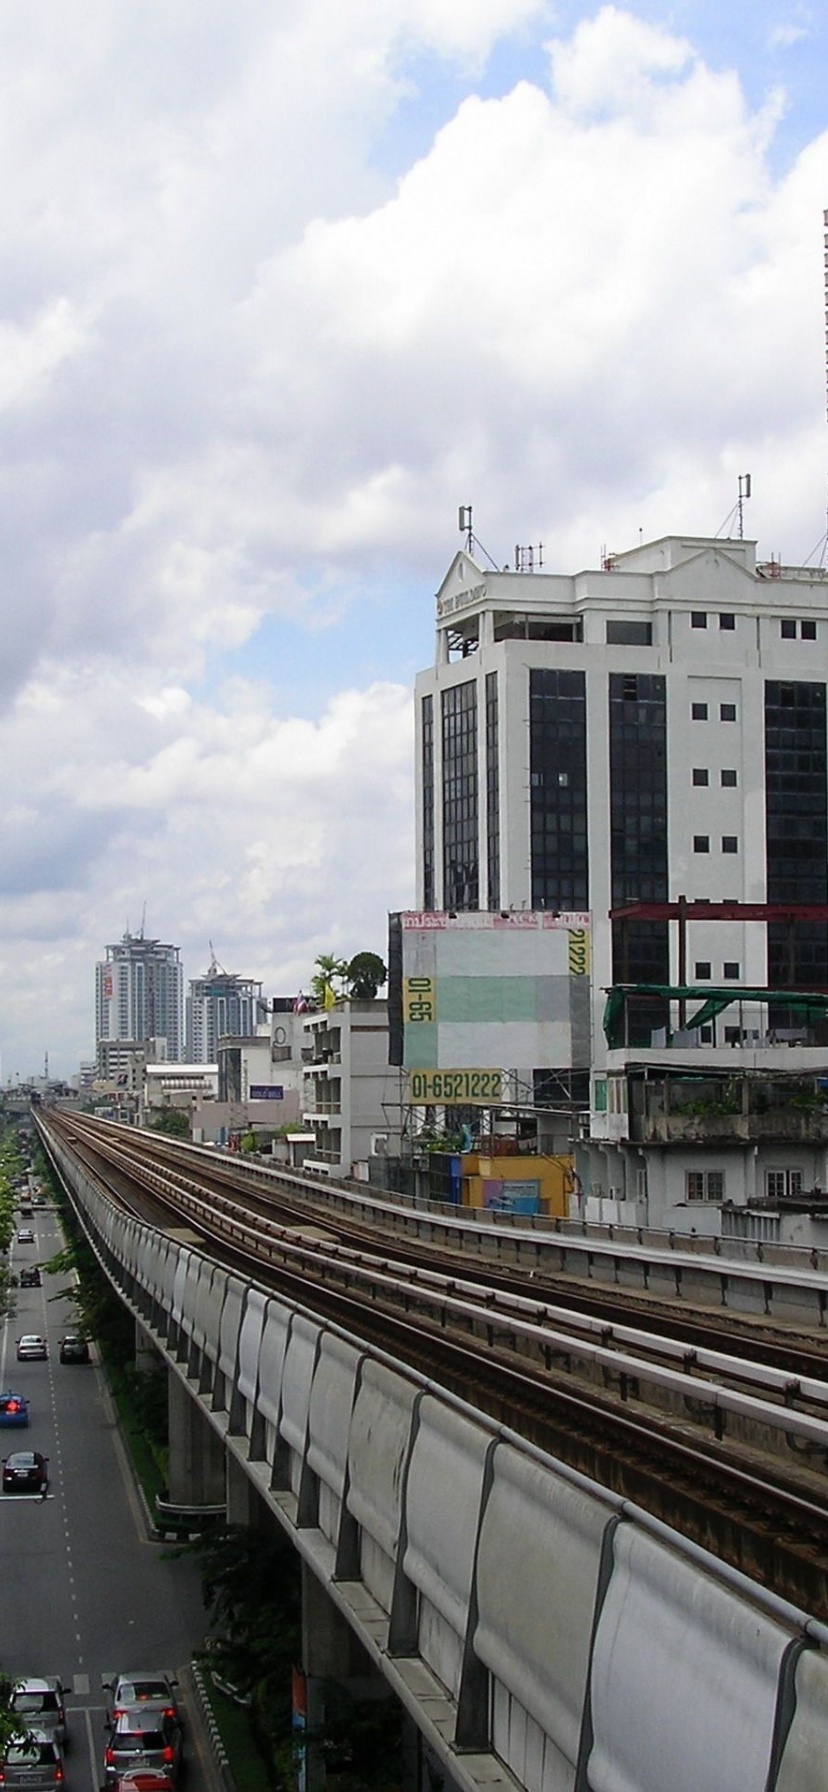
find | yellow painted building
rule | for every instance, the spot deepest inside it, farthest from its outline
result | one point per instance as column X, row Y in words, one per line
column 518, row 1183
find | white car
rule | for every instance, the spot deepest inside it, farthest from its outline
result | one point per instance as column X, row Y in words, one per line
column 40, row 1704
column 32, row 1348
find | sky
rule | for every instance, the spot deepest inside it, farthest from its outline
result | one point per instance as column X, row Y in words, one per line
column 280, row 288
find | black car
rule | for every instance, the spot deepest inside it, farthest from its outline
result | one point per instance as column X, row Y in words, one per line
column 26, row 1472
column 30, row 1278
column 73, row 1349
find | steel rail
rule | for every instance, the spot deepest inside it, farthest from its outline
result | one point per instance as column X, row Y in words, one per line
column 523, row 1320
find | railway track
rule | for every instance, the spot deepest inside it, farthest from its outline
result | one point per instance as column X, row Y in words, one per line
column 727, row 1447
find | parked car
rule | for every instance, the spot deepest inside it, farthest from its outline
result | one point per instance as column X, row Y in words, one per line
column 14, row 1409
column 143, row 1737
column 151, row 1689
column 25, row 1235
column 34, row 1762
column 26, row 1472
column 32, row 1348
column 30, row 1277
column 73, row 1349
column 41, row 1705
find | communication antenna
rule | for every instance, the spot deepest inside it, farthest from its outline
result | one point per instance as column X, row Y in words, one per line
column 464, row 524
column 744, row 493
column 525, row 560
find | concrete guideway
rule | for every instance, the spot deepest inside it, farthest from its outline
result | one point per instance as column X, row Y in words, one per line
column 540, row 1630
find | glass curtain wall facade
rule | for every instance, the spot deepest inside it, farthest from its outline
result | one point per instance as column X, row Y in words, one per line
column 796, row 827
column 427, row 717
column 461, row 867
column 558, row 786
column 638, row 836
column 492, row 793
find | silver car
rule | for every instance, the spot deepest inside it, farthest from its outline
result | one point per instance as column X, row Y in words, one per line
column 34, row 1762
column 39, row 1703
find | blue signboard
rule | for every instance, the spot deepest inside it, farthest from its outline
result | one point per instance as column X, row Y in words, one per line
column 267, row 1092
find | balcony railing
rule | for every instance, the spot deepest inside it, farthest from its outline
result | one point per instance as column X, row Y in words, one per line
column 717, row 1111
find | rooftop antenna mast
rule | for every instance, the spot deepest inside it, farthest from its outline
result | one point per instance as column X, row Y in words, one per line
column 744, row 493
column 464, row 524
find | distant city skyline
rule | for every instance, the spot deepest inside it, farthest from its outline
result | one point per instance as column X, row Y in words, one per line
column 280, row 292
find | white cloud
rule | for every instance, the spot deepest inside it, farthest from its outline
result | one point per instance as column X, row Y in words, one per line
column 247, row 377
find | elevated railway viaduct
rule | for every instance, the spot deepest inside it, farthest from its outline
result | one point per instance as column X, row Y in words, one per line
column 587, row 1555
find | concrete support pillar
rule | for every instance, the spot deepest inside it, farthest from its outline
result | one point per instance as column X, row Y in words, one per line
column 330, row 1651
column 196, row 1473
column 147, row 1357
column 242, row 1499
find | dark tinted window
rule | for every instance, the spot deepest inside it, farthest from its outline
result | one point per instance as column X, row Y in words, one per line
column 629, row 634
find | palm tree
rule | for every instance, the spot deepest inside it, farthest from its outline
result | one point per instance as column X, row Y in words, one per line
column 328, row 967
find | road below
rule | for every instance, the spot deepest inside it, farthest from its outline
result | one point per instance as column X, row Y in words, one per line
column 84, row 1590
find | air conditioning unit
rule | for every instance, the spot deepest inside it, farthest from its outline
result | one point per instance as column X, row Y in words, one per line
column 379, row 1144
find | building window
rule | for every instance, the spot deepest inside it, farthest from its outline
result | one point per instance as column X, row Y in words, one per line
column 701, row 774
column 796, row 828
column 492, row 793
column 727, row 712
column 779, row 1183
column 729, row 779
column 460, row 796
column 698, row 619
column 638, row 838
column 730, row 970
column 427, row 724
column 705, row 1185
column 701, row 842
column 730, row 843
column 789, row 628
column 702, row 970
column 727, row 620
column 628, row 633
column 698, row 712
column 558, row 788
column 600, row 1095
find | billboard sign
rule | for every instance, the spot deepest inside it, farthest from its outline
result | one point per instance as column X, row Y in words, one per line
column 505, row 994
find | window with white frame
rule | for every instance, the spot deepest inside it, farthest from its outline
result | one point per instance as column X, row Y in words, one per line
column 705, row 1185
column 779, row 1183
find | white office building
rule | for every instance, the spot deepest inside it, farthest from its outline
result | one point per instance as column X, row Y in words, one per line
column 139, row 996
column 221, row 1004
column 647, row 742
column 351, row 1098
